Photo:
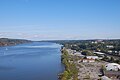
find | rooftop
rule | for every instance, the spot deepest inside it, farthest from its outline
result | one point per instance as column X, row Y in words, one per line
column 99, row 53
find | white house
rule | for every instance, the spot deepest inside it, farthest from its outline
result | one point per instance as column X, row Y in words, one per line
column 88, row 60
column 110, row 51
column 110, row 46
column 112, row 67
column 92, row 57
column 99, row 53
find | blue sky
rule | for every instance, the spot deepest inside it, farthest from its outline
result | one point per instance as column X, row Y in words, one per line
column 60, row 19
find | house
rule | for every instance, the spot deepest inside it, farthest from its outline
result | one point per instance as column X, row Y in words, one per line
column 94, row 42
column 100, row 54
column 110, row 46
column 116, row 51
column 112, row 67
column 88, row 60
column 110, row 51
column 92, row 57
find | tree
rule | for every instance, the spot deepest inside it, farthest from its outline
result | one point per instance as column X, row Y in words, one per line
column 112, row 59
column 87, row 53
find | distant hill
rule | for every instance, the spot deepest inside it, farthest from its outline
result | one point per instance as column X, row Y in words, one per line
column 9, row 42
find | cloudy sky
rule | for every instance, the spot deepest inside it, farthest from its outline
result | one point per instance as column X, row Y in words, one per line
column 60, row 19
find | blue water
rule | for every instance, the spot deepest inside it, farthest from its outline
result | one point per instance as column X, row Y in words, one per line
column 31, row 61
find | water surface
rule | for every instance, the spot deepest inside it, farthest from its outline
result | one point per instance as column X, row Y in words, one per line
column 31, row 61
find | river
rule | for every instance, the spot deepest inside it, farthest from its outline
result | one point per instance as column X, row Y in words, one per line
column 30, row 61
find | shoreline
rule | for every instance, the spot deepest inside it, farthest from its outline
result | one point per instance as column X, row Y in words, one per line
column 11, row 42
column 70, row 69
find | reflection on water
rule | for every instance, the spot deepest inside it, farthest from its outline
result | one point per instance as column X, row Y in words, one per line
column 33, row 61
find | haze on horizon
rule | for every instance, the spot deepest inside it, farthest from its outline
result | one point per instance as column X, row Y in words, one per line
column 60, row 19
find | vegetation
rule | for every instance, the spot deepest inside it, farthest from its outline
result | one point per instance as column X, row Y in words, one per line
column 71, row 71
column 87, row 53
column 111, row 48
column 8, row 42
column 96, row 45
column 111, row 59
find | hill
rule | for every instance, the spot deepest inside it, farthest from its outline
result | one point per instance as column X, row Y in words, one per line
column 10, row 42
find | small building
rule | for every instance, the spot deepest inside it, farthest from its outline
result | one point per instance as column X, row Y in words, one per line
column 94, row 42
column 116, row 51
column 110, row 46
column 88, row 60
column 110, row 51
column 92, row 57
column 100, row 54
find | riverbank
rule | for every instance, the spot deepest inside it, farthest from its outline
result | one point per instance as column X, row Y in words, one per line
column 71, row 71
column 12, row 42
